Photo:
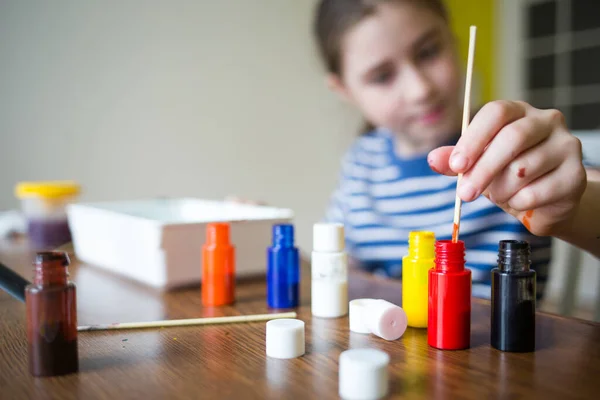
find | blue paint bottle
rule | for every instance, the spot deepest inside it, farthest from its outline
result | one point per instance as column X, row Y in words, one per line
column 283, row 269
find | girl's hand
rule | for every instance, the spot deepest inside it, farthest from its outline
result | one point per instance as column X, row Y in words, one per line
column 521, row 158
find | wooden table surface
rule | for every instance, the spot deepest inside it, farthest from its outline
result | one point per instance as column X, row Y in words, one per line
column 228, row 361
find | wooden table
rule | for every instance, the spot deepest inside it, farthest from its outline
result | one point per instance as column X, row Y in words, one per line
column 228, row 361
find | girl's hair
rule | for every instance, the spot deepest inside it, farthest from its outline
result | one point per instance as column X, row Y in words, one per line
column 335, row 17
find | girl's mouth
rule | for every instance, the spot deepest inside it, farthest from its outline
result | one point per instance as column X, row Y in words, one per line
column 432, row 116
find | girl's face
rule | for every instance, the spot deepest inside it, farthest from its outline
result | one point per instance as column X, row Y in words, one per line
column 399, row 67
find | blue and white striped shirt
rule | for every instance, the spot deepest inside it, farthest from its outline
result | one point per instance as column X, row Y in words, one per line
column 381, row 197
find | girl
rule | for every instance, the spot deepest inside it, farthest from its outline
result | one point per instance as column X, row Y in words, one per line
column 395, row 60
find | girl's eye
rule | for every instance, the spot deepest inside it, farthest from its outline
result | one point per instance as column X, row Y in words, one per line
column 381, row 77
column 429, row 52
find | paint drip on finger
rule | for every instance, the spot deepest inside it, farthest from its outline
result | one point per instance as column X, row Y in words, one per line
column 527, row 219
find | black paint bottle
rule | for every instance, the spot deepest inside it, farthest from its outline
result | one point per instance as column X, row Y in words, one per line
column 513, row 299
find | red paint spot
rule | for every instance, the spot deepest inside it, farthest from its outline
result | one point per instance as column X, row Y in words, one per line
column 433, row 168
column 521, row 173
column 454, row 233
column 527, row 219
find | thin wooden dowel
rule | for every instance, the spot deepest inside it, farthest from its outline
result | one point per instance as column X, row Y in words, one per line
column 185, row 322
column 465, row 124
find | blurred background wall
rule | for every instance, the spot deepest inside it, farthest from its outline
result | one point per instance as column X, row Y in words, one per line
column 144, row 98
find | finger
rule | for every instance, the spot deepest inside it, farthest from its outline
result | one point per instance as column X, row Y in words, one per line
column 550, row 188
column 485, row 125
column 511, row 141
column 526, row 168
column 438, row 160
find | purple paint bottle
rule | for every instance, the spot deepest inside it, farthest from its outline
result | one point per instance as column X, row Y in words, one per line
column 44, row 206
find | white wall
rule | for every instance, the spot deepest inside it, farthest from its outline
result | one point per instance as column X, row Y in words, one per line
column 180, row 98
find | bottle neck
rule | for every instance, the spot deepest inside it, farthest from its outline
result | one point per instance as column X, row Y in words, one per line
column 51, row 269
column 217, row 234
column 449, row 256
column 283, row 235
column 421, row 245
column 514, row 256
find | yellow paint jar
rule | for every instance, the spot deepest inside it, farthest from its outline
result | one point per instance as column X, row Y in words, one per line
column 415, row 267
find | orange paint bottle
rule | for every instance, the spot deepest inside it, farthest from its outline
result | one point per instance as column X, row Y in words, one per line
column 218, row 266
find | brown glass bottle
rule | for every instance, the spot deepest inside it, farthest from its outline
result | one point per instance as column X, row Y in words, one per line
column 51, row 317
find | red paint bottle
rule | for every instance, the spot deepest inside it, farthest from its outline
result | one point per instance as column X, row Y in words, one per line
column 449, row 312
column 51, row 317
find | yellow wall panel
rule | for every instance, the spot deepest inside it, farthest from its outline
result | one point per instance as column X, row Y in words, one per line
column 464, row 13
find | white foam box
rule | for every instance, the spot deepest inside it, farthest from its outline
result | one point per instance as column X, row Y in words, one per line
column 159, row 242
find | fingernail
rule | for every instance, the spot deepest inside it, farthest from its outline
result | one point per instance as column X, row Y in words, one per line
column 467, row 192
column 458, row 162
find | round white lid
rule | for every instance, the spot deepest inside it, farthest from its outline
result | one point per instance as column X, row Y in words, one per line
column 363, row 374
column 285, row 338
column 328, row 237
column 386, row 320
column 357, row 317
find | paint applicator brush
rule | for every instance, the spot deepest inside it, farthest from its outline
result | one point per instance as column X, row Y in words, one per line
column 465, row 124
column 187, row 322
column 12, row 283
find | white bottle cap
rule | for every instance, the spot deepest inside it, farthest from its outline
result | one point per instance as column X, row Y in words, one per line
column 285, row 338
column 329, row 299
column 363, row 374
column 328, row 237
column 386, row 320
column 358, row 309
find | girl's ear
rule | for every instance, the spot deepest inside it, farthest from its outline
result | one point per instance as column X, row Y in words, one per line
column 335, row 84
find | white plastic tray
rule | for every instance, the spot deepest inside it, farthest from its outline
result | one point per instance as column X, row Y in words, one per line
column 159, row 242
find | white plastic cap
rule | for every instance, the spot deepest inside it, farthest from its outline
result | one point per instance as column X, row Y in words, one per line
column 363, row 374
column 285, row 338
column 358, row 309
column 386, row 320
column 328, row 237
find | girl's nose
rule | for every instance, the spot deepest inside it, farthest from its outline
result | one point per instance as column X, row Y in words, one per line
column 416, row 87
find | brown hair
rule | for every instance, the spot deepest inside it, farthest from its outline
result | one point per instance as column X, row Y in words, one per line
column 334, row 18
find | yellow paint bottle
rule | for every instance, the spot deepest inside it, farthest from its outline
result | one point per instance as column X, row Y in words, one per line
column 415, row 267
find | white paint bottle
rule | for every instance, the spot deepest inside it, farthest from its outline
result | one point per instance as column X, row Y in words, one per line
column 329, row 271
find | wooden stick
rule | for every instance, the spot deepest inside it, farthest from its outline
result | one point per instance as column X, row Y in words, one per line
column 465, row 124
column 184, row 322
